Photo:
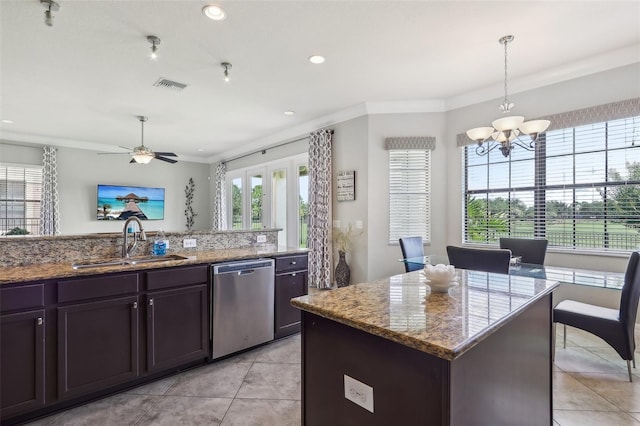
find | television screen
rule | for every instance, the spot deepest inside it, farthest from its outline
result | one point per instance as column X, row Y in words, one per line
column 122, row 202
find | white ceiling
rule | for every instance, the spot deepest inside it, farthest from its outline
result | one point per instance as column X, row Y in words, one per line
column 83, row 81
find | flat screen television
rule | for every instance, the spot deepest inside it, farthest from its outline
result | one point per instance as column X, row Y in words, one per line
column 121, row 202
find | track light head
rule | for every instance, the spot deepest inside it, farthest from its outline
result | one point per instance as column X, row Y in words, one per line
column 155, row 42
column 51, row 6
column 227, row 66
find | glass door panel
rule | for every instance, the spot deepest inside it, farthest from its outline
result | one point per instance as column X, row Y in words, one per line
column 279, row 204
column 236, row 201
column 256, row 201
column 303, row 204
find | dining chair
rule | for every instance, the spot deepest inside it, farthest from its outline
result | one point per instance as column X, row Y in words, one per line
column 411, row 247
column 487, row 260
column 531, row 250
column 614, row 326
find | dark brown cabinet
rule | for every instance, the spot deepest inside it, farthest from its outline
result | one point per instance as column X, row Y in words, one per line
column 98, row 334
column 290, row 282
column 22, row 361
column 22, row 349
column 177, row 316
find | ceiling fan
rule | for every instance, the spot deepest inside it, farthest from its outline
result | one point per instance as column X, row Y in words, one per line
column 142, row 154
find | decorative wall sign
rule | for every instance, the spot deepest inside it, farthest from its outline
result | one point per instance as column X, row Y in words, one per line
column 346, row 186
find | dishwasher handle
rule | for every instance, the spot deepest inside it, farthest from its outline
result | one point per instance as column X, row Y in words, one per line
column 247, row 272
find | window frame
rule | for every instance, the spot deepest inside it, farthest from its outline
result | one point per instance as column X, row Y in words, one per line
column 539, row 188
column 406, row 229
column 31, row 224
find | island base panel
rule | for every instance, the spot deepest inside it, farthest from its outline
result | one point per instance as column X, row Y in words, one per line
column 504, row 380
column 401, row 378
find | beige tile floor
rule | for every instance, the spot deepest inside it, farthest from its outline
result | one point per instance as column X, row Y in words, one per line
column 262, row 387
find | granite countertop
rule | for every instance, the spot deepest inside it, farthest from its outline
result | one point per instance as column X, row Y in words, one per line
column 46, row 271
column 402, row 308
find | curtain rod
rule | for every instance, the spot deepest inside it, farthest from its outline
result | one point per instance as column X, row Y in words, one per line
column 264, row 150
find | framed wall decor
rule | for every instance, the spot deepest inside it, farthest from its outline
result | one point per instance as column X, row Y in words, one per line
column 346, row 186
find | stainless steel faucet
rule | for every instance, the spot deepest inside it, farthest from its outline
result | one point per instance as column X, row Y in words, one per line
column 137, row 236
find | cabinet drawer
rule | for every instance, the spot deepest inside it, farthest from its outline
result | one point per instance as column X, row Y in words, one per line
column 95, row 287
column 23, row 297
column 291, row 263
column 173, row 277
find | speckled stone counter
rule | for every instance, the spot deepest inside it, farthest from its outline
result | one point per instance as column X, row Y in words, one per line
column 393, row 352
column 46, row 271
column 403, row 309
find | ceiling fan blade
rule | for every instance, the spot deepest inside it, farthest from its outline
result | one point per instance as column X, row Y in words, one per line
column 124, row 147
column 165, row 154
column 168, row 160
column 112, row 153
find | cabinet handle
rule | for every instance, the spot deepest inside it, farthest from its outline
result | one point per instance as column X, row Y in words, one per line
column 293, row 275
column 135, row 305
column 39, row 321
column 150, row 302
column 293, row 263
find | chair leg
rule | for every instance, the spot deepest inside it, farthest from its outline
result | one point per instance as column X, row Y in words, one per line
column 629, row 370
column 564, row 337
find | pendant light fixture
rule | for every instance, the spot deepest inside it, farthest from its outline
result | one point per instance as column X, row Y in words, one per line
column 155, row 42
column 505, row 132
column 50, row 5
column 226, row 66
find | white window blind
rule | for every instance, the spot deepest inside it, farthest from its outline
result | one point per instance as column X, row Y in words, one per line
column 409, row 194
column 579, row 189
column 20, row 194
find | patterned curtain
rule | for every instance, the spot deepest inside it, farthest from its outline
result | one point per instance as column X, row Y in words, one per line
column 49, row 202
column 219, row 207
column 319, row 233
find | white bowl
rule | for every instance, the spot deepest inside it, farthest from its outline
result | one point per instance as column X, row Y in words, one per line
column 440, row 273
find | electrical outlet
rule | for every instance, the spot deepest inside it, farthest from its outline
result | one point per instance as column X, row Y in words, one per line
column 359, row 224
column 358, row 393
column 261, row 238
column 189, row 243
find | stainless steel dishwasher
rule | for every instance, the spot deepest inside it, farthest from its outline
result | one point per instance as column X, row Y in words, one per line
column 242, row 305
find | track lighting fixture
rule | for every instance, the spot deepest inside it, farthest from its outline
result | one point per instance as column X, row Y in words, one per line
column 50, row 5
column 155, row 42
column 227, row 67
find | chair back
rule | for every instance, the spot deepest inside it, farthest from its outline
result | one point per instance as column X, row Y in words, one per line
column 629, row 297
column 494, row 260
column 411, row 247
column 531, row 250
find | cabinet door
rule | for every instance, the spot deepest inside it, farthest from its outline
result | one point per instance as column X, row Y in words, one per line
column 22, row 362
column 97, row 345
column 177, row 326
column 287, row 318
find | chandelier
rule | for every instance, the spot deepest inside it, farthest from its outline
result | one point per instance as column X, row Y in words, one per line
column 506, row 131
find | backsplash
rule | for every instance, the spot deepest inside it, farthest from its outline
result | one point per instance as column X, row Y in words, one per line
column 19, row 251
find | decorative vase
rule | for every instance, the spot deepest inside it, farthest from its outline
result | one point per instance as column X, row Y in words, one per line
column 343, row 273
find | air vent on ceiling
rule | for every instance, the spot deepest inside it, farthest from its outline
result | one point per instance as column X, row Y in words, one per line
column 169, row 84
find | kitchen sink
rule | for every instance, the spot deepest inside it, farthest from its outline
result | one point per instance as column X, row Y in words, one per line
column 150, row 259
column 97, row 263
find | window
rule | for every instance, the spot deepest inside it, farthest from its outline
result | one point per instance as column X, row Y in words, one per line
column 270, row 199
column 580, row 188
column 20, row 193
column 409, row 194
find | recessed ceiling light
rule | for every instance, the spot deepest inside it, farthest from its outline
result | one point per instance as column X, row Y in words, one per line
column 316, row 59
column 289, row 113
column 6, row 121
column 214, row 12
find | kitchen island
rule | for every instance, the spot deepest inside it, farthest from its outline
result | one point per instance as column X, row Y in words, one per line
column 480, row 354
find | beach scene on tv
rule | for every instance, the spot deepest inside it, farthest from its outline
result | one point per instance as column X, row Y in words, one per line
column 123, row 202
